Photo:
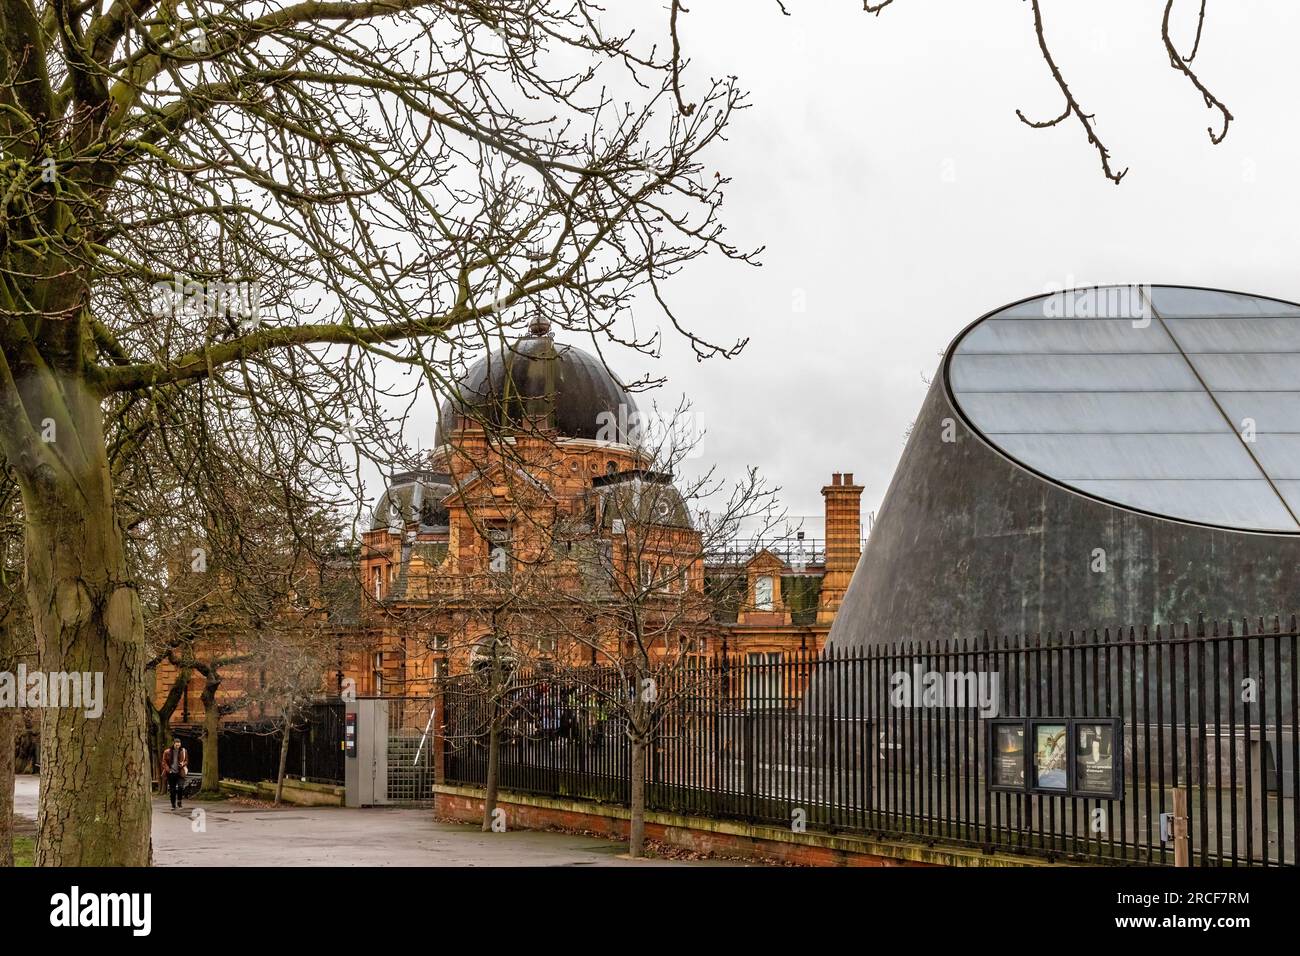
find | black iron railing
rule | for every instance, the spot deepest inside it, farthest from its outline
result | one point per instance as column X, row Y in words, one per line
column 797, row 553
column 853, row 742
column 250, row 751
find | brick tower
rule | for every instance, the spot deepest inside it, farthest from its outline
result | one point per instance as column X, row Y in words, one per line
column 843, row 541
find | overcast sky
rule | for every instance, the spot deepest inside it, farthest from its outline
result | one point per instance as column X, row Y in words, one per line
column 882, row 165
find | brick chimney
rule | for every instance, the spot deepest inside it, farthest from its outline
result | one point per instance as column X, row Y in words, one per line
column 843, row 541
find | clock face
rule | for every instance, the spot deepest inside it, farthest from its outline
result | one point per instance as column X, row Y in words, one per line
column 763, row 594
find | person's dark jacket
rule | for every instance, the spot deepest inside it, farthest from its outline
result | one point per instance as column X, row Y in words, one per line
column 184, row 762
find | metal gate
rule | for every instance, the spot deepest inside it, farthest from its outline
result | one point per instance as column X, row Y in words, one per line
column 410, row 764
column 394, row 763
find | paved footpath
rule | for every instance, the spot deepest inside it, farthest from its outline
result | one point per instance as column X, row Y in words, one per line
column 241, row 835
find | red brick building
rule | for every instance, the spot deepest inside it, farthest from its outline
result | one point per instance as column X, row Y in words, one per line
column 426, row 562
column 538, row 486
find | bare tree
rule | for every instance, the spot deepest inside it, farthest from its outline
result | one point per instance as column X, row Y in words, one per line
column 231, row 557
column 483, row 623
column 638, row 622
column 292, row 665
column 497, row 666
column 272, row 201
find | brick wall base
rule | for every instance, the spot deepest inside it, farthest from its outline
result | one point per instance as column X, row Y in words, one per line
column 720, row 837
column 298, row 792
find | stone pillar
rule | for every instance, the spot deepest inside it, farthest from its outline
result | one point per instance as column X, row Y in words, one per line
column 843, row 542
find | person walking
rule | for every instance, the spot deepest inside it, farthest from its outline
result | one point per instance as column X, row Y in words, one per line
column 175, row 765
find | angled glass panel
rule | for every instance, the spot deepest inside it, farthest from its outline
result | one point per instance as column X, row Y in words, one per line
column 1255, row 334
column 1097, row 336
column 1239, row 504
column 1279, row 455
column 1255, row 371
column 1181, row 303
column 1074, row 458
column 1092, row 373
column 1290, row 492
column 1275, row 412
column 1084, row 412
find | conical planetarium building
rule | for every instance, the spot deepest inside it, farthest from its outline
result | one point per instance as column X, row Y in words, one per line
column 1093, row 458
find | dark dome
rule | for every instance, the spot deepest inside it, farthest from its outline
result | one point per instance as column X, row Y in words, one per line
column 641, row 498
column 413, row 496
column 557, row 386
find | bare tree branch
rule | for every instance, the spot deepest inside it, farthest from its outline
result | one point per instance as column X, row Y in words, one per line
column 1071, row 105
column 1184, row 66
column 1086, row 120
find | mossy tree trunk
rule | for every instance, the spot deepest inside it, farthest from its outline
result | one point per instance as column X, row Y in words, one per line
column 8, row 727
column 284, row 757
column 95, row 770
column 212, row 738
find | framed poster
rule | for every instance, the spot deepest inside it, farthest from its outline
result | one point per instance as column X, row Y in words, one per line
column 1097, row 764
column 1050, row 766
column 1008, row 754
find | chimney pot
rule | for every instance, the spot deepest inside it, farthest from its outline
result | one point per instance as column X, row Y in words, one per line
column 835, row 479
column 848, row 478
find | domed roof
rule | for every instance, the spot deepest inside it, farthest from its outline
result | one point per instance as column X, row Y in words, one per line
column 641, row 498
column 556, row 386
column 413, row 496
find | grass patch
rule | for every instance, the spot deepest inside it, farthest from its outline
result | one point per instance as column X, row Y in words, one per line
column 208, row 797
column 24, row 851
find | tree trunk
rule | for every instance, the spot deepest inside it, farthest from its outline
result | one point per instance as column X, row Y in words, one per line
column 212, row 739
column 156, row 725
column 160, row 737
column 284, row 759
column 95, row 769
column 159, row 740
column 8, row 742
column 493, row 768
column 636, row 828
column 8, row 721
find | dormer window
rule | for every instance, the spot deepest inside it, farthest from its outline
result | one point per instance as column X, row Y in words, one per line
column 763, row 589
column 498, row 538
